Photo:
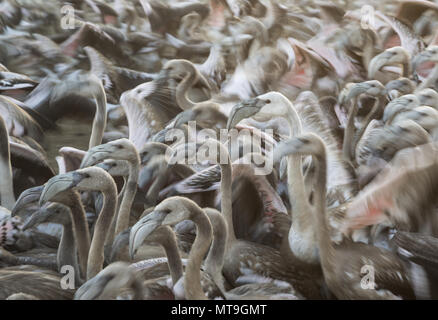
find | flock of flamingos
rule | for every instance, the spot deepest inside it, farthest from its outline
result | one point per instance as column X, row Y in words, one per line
column 105, row 104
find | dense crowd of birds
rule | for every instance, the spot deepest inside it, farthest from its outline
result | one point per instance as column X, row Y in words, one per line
column 347, row 89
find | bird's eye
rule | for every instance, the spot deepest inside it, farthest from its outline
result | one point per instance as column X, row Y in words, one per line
column 303, row 140
column 119, row 146
column 86, row 175
column 267, row 101
column 427, row 97
column 410, row 100
column 373, row 85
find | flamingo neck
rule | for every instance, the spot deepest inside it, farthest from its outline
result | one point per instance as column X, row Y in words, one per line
column 66, row 255
column 128, row 197
column 406, row 69
column 369, row 52
column 80, row 230
column 181, row 91
column 6, row 186
column 99, row 121
column 227, row 201
column 110, row 239
column 215, row 258
column 170, row 246
column 295, row 179
column 326, row 249
column 122, row 192
column 374, row 113
column 158, row 185
column 347, row 146
column 192, row 279
column 103, row 224
column 302, row 239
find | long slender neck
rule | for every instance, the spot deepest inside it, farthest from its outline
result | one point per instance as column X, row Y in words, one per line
column 112, row 233
column 181, row 91
column 227, row 200
column 121, row 193
column 295, row 180
column 80, row 229
column 349, row 132
column 368, row 52
column 406, row 69
column 156, row 187
column 6, row 184
column 103, row 224
column 128, row 197
column 192, row 279
column 66, row 255
column 170, row 246
column 215, row 258
column 99, row 121
column 326, row 249
column 373, row 114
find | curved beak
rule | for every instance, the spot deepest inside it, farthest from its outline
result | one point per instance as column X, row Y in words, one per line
column 163, row 74
column 243, row 110
column 377, row 63
column 145, row 158
column 392, row 85
column 36, row 218
column 95, row 155
column 184, row 117
column 93, row 288
column 59, row 184
column 104, row 165
column 392, row 89
column 144, row 228
column 421, row 58
column 391, row 110
column 356, row 90
column 285, row 148
column 27, row 196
